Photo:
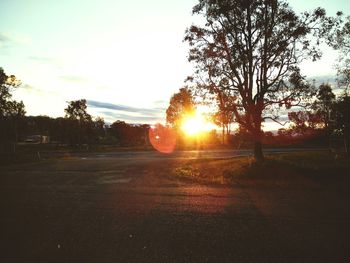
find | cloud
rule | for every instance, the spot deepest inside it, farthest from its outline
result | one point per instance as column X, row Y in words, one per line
column 73, row 78
column 42, row 59
column 39, row 92
column 47, row 61
column 161, row 102
column 7, row 40
column 130, row 118
column 114, row 112
column 104, row 105
column 318, row 80
column 29, row 87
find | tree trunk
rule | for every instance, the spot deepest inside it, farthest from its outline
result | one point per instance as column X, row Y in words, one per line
column 223, row 134
column 258, row 153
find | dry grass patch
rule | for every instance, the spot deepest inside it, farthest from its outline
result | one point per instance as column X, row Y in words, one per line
column 309, row 169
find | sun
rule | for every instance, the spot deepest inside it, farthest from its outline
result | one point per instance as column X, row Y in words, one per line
column 194, row 124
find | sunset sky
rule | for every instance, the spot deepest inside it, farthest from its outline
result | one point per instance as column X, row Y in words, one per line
column 125, row 57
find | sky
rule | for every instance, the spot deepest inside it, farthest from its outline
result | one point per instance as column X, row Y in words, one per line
column 126, row 58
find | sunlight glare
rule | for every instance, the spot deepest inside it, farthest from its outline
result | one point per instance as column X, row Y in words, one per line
column 195, row 124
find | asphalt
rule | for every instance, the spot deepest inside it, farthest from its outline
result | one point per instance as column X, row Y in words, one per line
column 124, row 207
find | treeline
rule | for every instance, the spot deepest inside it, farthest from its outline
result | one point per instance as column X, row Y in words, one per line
column 74, row 132
column 76, row 129
column 326, row 122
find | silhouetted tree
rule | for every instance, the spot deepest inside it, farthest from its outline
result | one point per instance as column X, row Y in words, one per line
column 11, row 111
column 7, row 83
column 224, row 115
column 253, row 48
column 181, row 103
column 323, row 105
column 339, row 39
column 76, row 110
column 99, row 127
column 302, row 122
column 81, row 122
column 342, row 119
column 129, row 134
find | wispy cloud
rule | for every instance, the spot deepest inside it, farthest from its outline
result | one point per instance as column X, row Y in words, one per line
column 118, row 107
column 130, row 118
column 73, row 78
column 114, row 112
column 161, row 102
column 42, row 59
column 46, row 61
column 7, row 39
column 40, row 92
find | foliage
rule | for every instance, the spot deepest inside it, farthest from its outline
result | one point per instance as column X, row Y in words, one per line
column 303, row 122
column 181, row 104
column 339, row 39
column 76, row 110
column 129, row 134
column 342, row 118
column 224, row 115
column 252, row 49
column 324, row 103
column 82, row 127
column 11, row 112
column 9, row 107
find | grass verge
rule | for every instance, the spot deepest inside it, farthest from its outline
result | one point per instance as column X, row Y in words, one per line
column 312, row 169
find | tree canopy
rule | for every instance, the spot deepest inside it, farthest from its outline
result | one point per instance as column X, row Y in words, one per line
column 8, row 106
column 181, row 103
column 76, row 110
column 339, row 38
column 253, row 49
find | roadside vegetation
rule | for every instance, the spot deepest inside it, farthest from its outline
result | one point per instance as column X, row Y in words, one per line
column 302, row 169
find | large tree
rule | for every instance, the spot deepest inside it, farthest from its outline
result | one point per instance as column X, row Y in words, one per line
column 253, row 48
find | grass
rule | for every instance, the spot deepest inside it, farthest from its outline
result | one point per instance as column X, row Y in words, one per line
column 312, row 169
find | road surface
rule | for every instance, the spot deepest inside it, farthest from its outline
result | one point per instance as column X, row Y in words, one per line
column 124, row 207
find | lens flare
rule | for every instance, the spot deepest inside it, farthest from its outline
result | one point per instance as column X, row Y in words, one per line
column 162, row 138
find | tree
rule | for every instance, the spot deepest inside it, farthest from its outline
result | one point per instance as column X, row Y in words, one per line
column 11, row 111
column 303, row 122
column 76, row 110
column 9, row 107
column 224, row 115
column 339, row 39
column 324, row 103
column 342, row 119
column 253, row 48
column 99, row 126
column 129, row 134
column 181, row 104
column 81, row 121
